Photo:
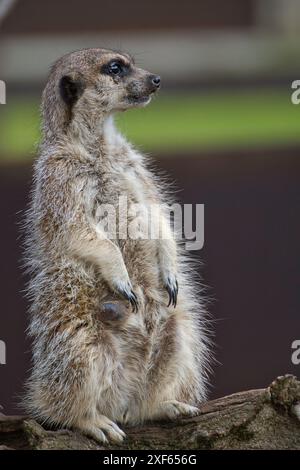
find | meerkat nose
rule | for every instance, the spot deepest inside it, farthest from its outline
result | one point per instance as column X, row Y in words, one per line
column 155, row 80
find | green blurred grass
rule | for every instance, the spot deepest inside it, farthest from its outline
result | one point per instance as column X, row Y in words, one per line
column 177, row 122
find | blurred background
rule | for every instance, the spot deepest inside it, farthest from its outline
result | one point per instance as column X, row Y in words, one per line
column 223, row 127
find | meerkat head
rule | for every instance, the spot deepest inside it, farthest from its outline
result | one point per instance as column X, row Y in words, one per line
column 90, row 83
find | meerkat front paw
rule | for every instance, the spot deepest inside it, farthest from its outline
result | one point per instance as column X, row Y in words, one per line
column 174, row 409
column 171, row 285
column 125, row 289
column 103, row 430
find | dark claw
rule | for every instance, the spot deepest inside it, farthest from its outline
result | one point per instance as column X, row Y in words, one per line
column 130, row 295
column 172, row 289
column 134, row 301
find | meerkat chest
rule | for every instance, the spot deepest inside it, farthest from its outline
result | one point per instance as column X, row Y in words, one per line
column 120, row 179
column 125, row 186
column 134, row 187
column 126, row 189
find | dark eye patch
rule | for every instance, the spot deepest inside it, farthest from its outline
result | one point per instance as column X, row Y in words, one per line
column 115, row 68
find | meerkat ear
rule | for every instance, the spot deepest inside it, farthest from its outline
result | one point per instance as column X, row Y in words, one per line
column 71, row 87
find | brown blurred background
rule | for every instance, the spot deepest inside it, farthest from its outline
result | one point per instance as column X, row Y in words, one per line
column 223, row 128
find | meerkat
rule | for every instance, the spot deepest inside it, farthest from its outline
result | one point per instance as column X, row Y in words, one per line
column 118, row 335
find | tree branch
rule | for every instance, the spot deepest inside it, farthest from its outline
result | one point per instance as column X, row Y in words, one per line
column 256, row 419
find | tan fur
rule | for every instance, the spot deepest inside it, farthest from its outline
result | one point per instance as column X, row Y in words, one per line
column 88, row 372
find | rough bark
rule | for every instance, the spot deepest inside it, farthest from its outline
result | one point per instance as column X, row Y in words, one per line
column 256, row 419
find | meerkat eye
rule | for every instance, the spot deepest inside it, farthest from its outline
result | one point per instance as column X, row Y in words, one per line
column 115, row 68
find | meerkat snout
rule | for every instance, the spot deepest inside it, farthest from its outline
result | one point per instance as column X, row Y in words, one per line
column 155, row 81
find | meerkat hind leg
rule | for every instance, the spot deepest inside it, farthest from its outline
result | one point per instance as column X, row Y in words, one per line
column 173, row 409
column 102, row 430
